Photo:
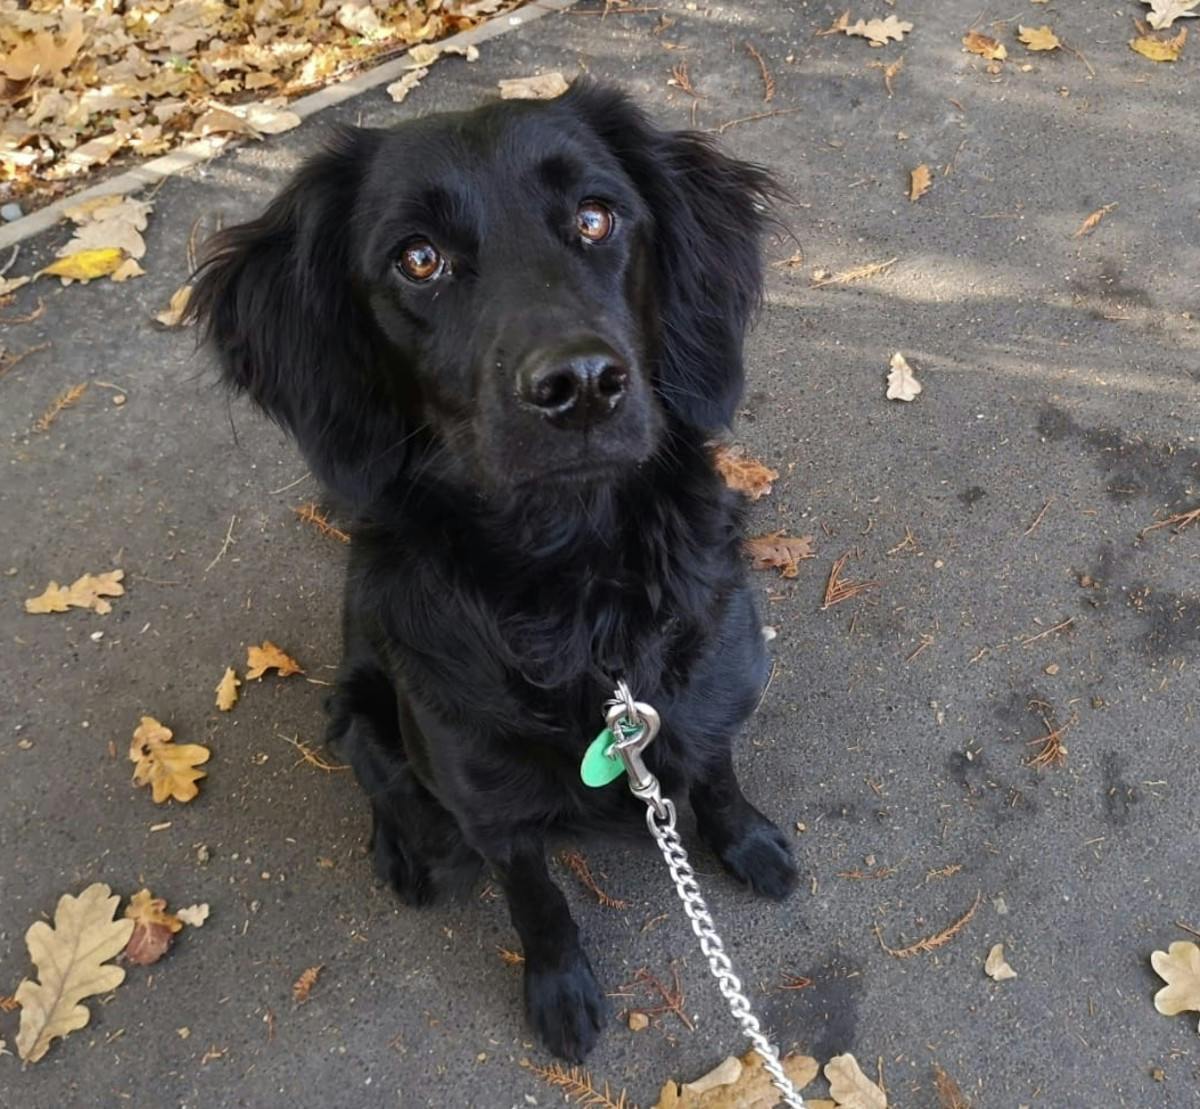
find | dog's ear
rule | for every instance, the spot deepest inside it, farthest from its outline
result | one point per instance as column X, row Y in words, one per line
column 710, row 212
column 276, row 298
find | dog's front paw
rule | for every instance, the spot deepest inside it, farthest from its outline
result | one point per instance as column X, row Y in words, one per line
column 566, row 1007
column 758, row 854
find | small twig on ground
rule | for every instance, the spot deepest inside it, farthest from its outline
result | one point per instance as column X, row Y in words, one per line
column 8, row 361
column 948, row 1092
column 65, row 399
column 11, row 259
column 1052, row 752
column 1037, row 519
column 847, row 276
column 29, row 317
column 510, row 958
column 308, row 755
column 859, row 875
column 1049, row 631
column 767, row 80
column 224, row 545
column 672, row 998
column 683, row 80
column 1093, row 221
column 1187, row 928
column 1178, row 522
column 311, row 514
column 291, row 484
column 837, row 590
column 720, row 129
column 1079, row 55
column 890, row 72
column 578, row 865
column 926, row 641
column 908, row 543
column 576, row 1085
column 795, row 982
column 269, row 1020
column 938, row 939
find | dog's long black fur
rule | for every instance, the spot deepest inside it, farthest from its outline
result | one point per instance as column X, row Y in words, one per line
column 521, row 439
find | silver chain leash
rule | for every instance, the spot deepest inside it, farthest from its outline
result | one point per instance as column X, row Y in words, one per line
column 634, row 725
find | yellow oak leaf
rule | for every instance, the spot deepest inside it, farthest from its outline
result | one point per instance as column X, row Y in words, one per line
column 72, row 961
column 745, row 475
column 1039, row 38
column 985, row 46
column 1160, row 50
column 850, row 1088
column 878, row 32
column 87, row 591
column 227, row 689
column 168, row 768
column 260, row 659
column 1179, row 966
column 153, row 928
column 84, row 265
column 920, row 179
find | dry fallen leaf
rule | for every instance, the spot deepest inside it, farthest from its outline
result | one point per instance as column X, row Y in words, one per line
column 1179, row 966
column 85, row 265
column 745, row 475
column 153, row 928
column 172, row 315
column 779, row 552
column 1164, row 12
column 996, row 966
column 109, row 221
column 901, row 382
column 43, row 54
column 194, row 916
column 985, row 46
column 127, row 269
column 168, row 768
column 879, row 31
column 919, row 182
column 949, row 1095
column 737, row 1084
column 398, row 90
column 545, row 86
column 260, row 659
column 87, row 591
column 1093, row 221
column 71, row 958
column 227, row 689
column 303, row 985
column 1160, row 50
column 1038, row 38
column 850, row 1087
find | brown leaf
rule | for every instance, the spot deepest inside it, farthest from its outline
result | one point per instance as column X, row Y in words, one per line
column 879, row 31
column 779, row 552
column 172, row 315
column 948, row 1092
column 72, row 961
column 545, row 86
column 303, row 985
column 260, row 659
column 1039, row 38
column 168, row 768
column 1179, row 966
column 43, row 54
column 1093, row 221
column 985, row 46
column 87, row 591
column 227, row 689
column 220, row 121
column 850, row 1087
column 920, row 180
column 737, row 1084
column 153, row 928
column 745, row 475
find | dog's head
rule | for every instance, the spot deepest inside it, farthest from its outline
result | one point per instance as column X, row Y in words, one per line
column 524, row 293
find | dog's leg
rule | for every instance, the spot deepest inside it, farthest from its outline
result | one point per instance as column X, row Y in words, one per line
column 749, row 846
column 563, row 1001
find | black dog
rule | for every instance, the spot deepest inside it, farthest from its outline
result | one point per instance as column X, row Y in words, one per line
column 503, row 338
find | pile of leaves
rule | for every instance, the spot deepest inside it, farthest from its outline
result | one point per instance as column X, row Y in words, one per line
column 82, row 81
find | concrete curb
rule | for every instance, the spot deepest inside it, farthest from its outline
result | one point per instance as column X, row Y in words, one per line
column 158, row 169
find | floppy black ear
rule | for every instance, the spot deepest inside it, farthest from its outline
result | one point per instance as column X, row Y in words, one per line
column 277, row 299
column 710, row 212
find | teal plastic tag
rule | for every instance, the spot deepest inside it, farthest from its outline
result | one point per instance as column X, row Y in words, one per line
column 599, row 767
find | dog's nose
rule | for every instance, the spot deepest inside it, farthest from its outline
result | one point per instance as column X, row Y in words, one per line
column 576, row 390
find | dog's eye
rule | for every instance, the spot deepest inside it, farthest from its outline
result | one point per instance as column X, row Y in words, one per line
column 420, row 261
column 594, row 220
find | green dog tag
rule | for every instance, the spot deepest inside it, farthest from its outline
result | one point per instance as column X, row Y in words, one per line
column 599, row 767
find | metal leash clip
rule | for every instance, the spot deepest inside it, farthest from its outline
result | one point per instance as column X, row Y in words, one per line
column 634, row 724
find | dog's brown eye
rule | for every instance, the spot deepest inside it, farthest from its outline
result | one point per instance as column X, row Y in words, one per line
column 594, row 220
column 420, row 261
